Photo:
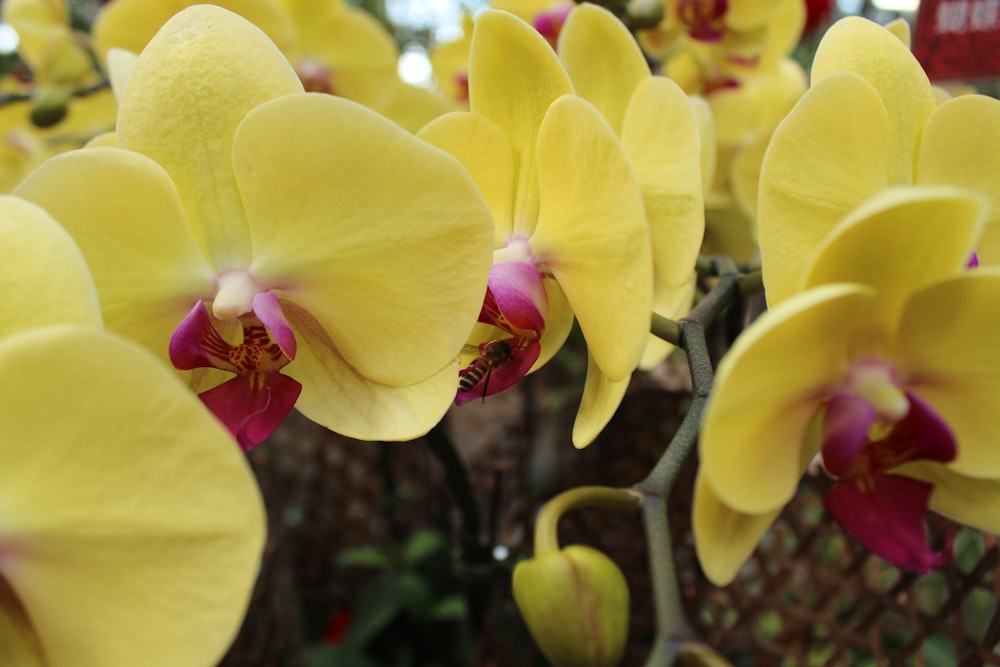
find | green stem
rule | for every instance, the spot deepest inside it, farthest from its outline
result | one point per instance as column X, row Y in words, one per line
column 624, row 501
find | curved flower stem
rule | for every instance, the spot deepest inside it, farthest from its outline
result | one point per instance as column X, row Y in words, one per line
column 672, row 627
column 624, row 501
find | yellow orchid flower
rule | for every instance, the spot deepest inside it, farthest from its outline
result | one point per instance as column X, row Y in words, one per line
column 56, row 55
column 869, row 121
column 132, row 527
column 723, row 38
column 335, row 48
column 658, row 130
column 450, row 62
column 298, row 241
column 571, row 232
column 885, row 362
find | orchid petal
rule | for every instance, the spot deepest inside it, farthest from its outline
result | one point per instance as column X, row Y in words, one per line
column 518, row 293
column 43, row 276
column 601, row 398
column 861, row 46
column 130, row 24
column 268, row 311
column 558, row 324
column 899, row 241
column 160, row 579
column 724, row 538
column 395, row 280
column 603, row 61
column 482, row 148
column 502, row 376
column 887, row 516
column 186, row 123
column 845, row 431
column 194, row 341
column 123, row 211
column 660, row 136
column 947, row 354
column 753, row 439
column 592, row 233
column 804, row 189
column 252, row 407
column 514, row 75
column 970, row 501
column 337, row 396
column 953, row 152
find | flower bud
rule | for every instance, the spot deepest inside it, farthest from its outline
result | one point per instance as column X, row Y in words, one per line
column 575, row 602
column 49, row 106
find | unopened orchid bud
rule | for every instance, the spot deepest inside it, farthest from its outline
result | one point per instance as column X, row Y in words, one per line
column 575, row 602
column 49, row 106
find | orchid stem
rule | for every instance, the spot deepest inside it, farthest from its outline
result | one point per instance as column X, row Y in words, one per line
column 672, row 626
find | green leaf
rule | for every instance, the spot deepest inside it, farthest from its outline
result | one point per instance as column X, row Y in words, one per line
column 366, row 556
column 447, row 608
column 380, row 604
column 421, row 545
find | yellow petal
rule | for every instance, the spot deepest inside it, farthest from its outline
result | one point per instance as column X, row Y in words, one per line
column 828, row 155
column 723, row 537
column 660, row 136
column 43, row 276
column 952, row 153
column 130, row 24
column 336, row 396
column 900, row 241
column 768, row 389
column 861, row 46
column 603, row 60
column 514, row 75
column 601, row 398
column 120, row 66
column 124, row 213
column 143, row 550
column 558, row 324
column 191, row 87
column 592, row 233
column 707, row 140
column 947, row 353
column 383, row 238
column 484, row 151
column 412, row 107
column 969, row 501
column 19, row 646
column 744, row 174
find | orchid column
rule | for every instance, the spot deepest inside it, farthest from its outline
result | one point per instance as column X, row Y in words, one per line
column 298, row 241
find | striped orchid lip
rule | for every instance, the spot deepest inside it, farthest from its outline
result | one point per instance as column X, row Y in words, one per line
column 254, row 403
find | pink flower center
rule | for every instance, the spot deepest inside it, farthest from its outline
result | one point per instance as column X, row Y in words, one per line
column 872, row 426
column 254, row 403
column 703, row 18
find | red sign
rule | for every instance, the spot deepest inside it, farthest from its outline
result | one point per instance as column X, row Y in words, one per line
column 958, row 39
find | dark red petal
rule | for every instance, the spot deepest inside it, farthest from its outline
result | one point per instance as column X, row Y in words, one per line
column 922, row 435
column 848, row 420
column 195, row 343
column 252, row 412
column 502, row 376
column 516, row 300
column 268, row 311
column 887, row 516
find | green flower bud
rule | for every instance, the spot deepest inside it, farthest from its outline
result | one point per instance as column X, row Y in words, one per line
column 49, row 106
column 575, row 602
